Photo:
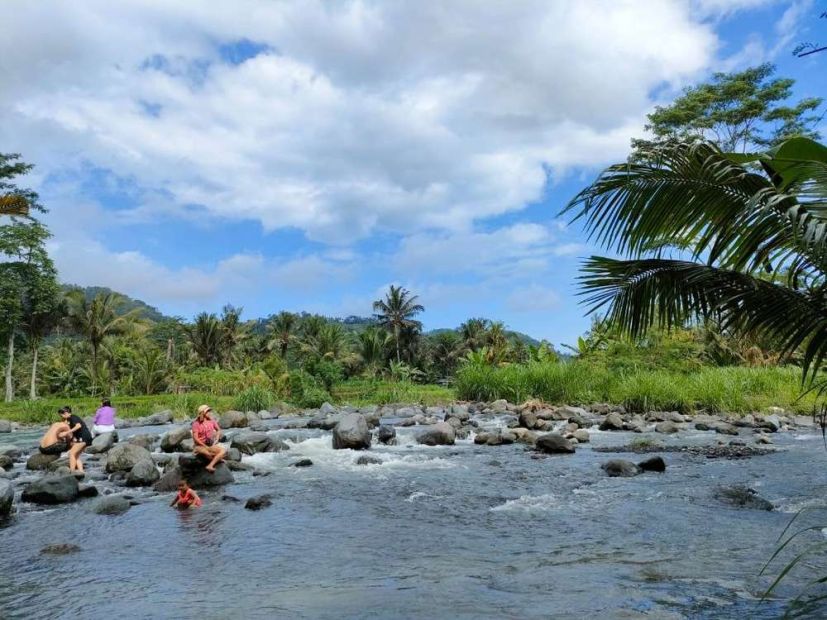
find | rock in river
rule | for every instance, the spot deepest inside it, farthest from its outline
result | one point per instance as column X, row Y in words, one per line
column 368, row 460
column 143, row 474
column 620, row 468
column 171, row 441
column 656, row 463
column 554, row 443
column 52, row 490
column 6, row 498
column 612, row 422
column 39, row 462
column 742, row 497
column 124, row 456
column 666, row 427
column 386, row 435
column 253, row 442
column 102, row 443
column 439, row 434
column 233, row 419
column 191, row 469
column 111, row 505
column 60, row 549
column 351, row 432
column 258, row 502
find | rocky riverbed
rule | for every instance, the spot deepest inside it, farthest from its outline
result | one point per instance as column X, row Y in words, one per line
column 483, row 509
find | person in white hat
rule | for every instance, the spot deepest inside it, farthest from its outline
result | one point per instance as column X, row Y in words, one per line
column 205, row 435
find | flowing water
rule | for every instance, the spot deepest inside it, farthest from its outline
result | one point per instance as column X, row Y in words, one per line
column 464, row 531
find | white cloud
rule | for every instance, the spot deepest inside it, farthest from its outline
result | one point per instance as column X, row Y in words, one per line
column 533, row 299
column 364, row 115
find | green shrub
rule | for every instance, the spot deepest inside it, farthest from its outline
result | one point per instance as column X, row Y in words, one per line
column 254, row 399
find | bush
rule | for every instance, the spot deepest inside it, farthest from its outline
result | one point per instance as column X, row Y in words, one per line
column 254, row 399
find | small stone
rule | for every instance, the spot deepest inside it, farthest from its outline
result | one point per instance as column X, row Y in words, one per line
column 618, row 468
column 60, row 549
column 303, row 463
column 368, row 460
column 656, row 463
column 258, row 502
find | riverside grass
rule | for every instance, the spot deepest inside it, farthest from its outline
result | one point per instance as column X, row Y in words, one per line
column 713, row 389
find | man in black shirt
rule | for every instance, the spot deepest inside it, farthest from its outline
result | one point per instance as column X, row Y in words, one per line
column 81, row 437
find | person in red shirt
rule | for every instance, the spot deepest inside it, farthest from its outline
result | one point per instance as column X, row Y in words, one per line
column 205, row 435
column 186, row 497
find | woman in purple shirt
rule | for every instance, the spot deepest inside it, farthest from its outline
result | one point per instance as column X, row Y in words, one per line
column 104, row 418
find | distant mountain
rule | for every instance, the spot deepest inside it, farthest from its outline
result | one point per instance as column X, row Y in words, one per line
column 129, row 304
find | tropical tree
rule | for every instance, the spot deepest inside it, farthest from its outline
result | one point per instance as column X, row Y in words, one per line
column 445, row 349
column 233, row 334
column 396, row 311
column 206, row 336
column 474, row 332
column 281, row 332
column 372, row 345
column 43, row 310
column 751, row 233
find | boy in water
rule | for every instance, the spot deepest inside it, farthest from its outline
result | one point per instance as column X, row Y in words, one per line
column 185, row 498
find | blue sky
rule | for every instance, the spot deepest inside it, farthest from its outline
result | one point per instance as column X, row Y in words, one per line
column 305, row 155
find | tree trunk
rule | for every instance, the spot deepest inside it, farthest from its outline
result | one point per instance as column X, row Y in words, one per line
column 169, row 350
column 396, row 337
column 9, row 364
column 33, row 387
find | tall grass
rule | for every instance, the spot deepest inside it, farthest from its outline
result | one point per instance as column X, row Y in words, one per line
column 730, row 389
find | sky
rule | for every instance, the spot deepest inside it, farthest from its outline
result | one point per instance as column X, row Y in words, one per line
column 304, row 155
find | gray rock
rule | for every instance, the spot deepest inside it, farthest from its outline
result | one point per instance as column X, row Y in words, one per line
column 742, row 497
column 666, row 427
column 102, row 443
column 386, row 435
column 252, row 442
column 554, row 443
column 612, row 422
column 156, row 419
column 233, row 454
column 704, row 426
column 6, row 498
column 770, row 423
column 6, row 462
column 111, row 505
column 87, row 490
column 460, row 412
column 723, row 428
column 171, row 441
column 656, row 463
column 143, row 474
column 368, row 460
column 528, row 419
column 11, row 451
column 763, row 439
column 499, row 406
column 144, row 440
column 327, row 409
column 407, row 412
column 581, row 435
column 258, row 502
column 59, row 549
column 351, row 433
column 39, row 462
column 191, row 468
column 124, row 456
column 51, row 490
column 618, row 468
column 5, row 426
column 233, row 419
column 439, row 434
column 303, row 463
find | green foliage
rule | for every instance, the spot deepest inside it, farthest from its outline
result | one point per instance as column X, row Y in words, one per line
column 305, row 390
column 254, row 398
column 395, row 313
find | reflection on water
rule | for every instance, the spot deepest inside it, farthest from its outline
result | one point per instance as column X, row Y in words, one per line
column 464, row 532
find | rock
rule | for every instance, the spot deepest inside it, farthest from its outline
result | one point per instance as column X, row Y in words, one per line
column 568, row 411
column 111, row 505
column 124, row 456
column 499, row 406
column 144, row 440
column 554, row 443
column 722, row 428
column 87, row 490
column 703, row 426
column 439, row 434
column 656, row 463
column 460, row 412
column 39, row 462
column 525, row 436
column 191, row 468
column 157, row 419
column 52, row 490
column 252, row 442
column 742, row 497
column 528, row 419
column 11, row 451
column 327, row 409
column 171, row 441
column 60, row 549
column 666, row 427
column 763, row 439
column 387, row 435
column 5, row 426
column 258, row 502
column 612, row 422
column 102, row 443
column 770, row 423
column 6, row 462
column 233, row 454
column 455, row 423
column 233, row 419
column 6, row 498
column 620, row 468
column 303, row 463
column 368, row 460
column 581, row 435
column 352, row 433
column 746, row 421
column 143, row 474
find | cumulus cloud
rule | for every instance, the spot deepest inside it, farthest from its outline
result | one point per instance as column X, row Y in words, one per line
column 352, row 117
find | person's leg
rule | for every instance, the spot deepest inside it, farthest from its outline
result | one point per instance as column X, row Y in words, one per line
column 79, row 450
column 73, row 458
column 217, row 454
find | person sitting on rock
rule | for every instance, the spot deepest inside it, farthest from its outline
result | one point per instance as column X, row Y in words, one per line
column 81, row 437
column 186, row 497
column 205, row 435
column 104, row 418
column 56, row 440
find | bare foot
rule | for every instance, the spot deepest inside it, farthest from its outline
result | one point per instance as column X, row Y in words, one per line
column 210, row 469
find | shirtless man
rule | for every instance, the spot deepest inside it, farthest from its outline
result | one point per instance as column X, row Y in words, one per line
column 205, row 435
column 57, row 439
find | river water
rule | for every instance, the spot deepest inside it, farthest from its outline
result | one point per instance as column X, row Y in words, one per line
column 464, row 531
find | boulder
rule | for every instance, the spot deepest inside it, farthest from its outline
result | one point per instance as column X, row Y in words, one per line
column 499, row 406
column 723, row 428
column 6, row 462
column 156, row 419
column 191, row 468
column 704, row 426
column 233, row 419
column 144, row 440
column 770, row 423
column 52, row 490
column 352, row 432
column 87, row 490
column 612, row 422
column 303, row 463
column 5, row 426
column 6, row 498
column 11, row 451
column 439, row 434
column 619, row 468
column 258, row 502
column 528, row 418
column 143, row 474
column 656, row 463
column 102, row 443
column 387, row 435
column 460, row 412
column 763, row 439
column 327, row 409
column 111, row 505
column 581, row 435
column 554, row 443
column 171, row 441
column 742, row 497
column 39, row 462
column 368, row 460
column 124, row 456
column 252, row 442
column 666, row 427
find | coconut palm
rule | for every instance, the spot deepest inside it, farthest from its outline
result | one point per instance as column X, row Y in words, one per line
column 281, row 332
column 474, row 332
column 706, row 235
column 206, row 337
column 396, row 313
column 372, row 345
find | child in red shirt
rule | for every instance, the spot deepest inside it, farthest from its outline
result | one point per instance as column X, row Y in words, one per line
column 186, row 497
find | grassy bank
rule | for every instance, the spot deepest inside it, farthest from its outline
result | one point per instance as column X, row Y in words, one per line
column 730, row 389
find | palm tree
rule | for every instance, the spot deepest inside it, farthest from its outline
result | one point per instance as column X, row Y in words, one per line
column 751, row 233
column 206, row 337
column 396, row 313
column 372, row 345
column 445, row 350
column 233, row 333
column 473, row 333
column 280, row 332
